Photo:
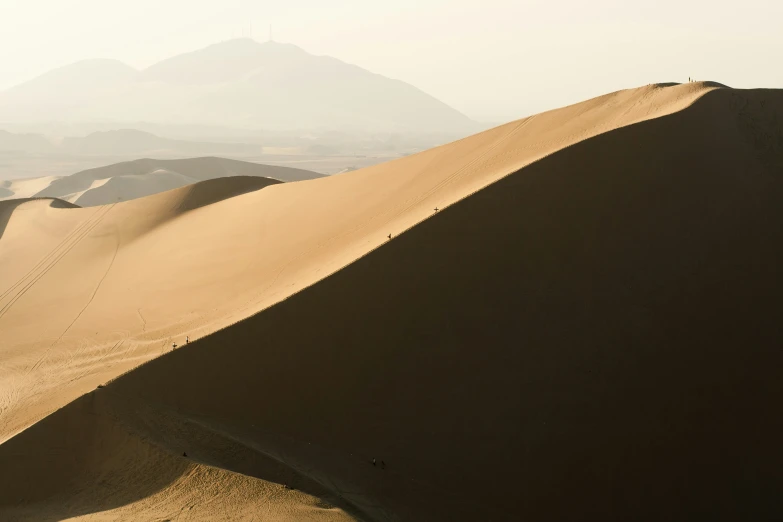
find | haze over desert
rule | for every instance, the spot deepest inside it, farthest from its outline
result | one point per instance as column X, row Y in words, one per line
column 248, row 282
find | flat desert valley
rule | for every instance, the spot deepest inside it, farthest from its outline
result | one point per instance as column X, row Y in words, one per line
column 573, row 316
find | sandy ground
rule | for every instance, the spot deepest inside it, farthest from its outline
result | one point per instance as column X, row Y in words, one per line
column 594, row 327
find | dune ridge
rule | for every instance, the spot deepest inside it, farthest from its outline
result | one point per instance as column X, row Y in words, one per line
column 531, row 267
column 135, row 179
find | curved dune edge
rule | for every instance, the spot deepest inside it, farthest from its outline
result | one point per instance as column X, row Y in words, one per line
column 138, row 178
column 8, row 207
column 745, row 149
column 144, row 177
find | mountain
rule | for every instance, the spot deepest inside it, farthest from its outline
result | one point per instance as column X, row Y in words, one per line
column 289, row 86
column 120, row 142
column 238, row 83
column 67, row 92
column 134, row 179
column 223, row 62
column 22, row 143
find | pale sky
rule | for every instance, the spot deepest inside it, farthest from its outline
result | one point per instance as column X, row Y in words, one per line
column 494, row 60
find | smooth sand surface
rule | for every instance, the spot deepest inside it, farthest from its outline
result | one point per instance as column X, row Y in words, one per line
column 592, row 337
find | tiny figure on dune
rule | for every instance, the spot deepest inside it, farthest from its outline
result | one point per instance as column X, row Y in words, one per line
column 383, row 465
column 373, row 462
column 389, row 236
column 436, row 209
column 187, row 339
column 184, row 454
column 173, row 345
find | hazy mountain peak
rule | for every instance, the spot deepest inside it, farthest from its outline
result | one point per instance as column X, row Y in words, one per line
column 238, row 45
column 221, row 62
column 99, row 63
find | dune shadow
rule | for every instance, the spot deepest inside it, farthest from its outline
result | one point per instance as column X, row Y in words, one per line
column 78, row 461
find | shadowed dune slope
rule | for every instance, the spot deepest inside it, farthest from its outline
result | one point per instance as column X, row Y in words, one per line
column 175, row 487
column 595, row 336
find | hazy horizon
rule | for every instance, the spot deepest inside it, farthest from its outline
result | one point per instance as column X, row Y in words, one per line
column 494, row 61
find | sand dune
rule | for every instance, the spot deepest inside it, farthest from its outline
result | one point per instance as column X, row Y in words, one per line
column 24, row 188
column 591, row 337
column 8, row 207
column 134, row 179
column 123, row 188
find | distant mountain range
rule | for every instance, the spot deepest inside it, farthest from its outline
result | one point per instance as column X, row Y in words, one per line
column 129, row 141
column 239, row 84
column 10, row 142
column 123, row 142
